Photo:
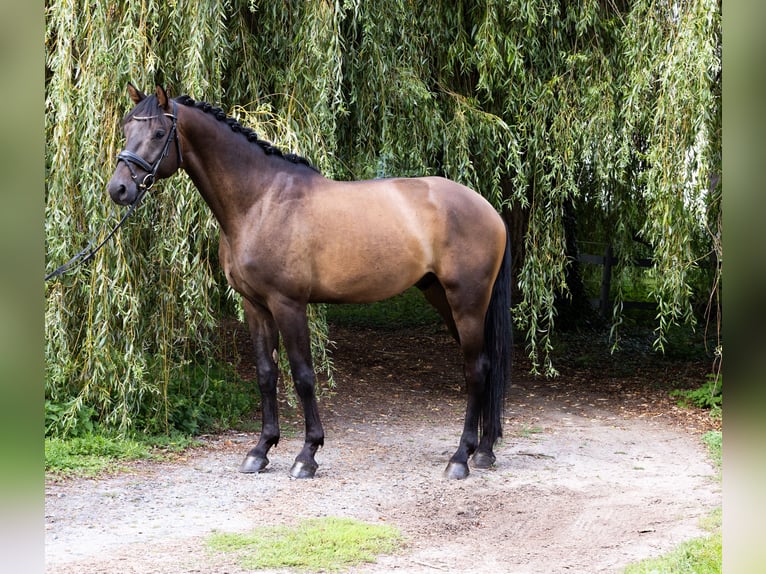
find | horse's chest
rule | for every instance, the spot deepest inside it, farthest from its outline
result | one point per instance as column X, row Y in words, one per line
column 255, row 275
column 241, row 274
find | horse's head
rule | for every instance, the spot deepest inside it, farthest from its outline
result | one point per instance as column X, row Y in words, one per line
column 152, row 148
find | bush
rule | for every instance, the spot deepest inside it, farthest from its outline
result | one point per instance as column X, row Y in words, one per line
column 205, row 397
column 69, row 418
column 708, row 396
column 197, row 399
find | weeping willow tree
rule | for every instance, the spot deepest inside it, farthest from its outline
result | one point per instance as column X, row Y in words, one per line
column 606, row 109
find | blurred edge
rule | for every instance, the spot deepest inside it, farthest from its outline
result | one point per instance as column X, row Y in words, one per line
column 744, row 209
column 22, row 146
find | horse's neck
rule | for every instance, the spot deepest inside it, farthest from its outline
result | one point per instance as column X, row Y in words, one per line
column 232, row 174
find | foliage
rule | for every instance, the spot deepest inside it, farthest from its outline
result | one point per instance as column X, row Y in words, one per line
column 610, row 108
column 707, row 396
column 317, row 545
column 69, row 419
column 202, row 399
column 198, row 399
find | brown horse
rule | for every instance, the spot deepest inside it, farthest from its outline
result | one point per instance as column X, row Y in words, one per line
column 290, row 236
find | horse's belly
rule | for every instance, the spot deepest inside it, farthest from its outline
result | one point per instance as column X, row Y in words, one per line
column 353, row 280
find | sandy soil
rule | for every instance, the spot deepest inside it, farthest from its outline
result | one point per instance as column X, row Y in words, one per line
column 598, row 468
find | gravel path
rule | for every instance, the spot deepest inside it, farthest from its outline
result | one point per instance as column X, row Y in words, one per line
column 578, row 487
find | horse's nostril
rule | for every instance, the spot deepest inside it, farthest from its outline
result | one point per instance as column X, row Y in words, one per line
column 118, row 192
column 122, row 192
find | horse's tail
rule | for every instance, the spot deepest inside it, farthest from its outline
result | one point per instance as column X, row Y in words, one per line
column 498, row 345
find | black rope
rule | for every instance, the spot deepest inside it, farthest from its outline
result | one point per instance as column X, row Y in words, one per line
column 88, row 253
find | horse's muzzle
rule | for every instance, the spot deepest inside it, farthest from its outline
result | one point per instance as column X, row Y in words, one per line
column 121, row 192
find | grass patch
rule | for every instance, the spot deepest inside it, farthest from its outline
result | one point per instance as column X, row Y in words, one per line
column 702, row 555
column 322, row 544
column 698, row 556
column 408, row 309
column 529, row 432
column 91, row 454
column 714, row 442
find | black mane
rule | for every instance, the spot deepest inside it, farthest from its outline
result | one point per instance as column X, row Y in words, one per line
column 249, row 133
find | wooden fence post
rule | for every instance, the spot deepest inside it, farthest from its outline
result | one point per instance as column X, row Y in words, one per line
column 606, row 282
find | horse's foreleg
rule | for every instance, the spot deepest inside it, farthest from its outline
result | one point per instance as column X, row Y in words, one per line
column 293, row 324
column 263, row 331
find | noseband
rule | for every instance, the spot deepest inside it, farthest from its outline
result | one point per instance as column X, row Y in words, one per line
column 130, row 157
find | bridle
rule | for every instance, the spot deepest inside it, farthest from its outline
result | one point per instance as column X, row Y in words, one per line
column 130, row 157
column 144, row 186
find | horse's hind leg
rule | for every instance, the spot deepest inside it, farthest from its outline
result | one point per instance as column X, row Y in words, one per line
column 437, row 297
column 265, row 337
column 475, row 368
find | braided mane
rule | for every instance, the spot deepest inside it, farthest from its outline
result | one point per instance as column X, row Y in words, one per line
column 249, row 133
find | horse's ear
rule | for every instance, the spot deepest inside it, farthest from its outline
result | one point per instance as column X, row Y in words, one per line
column 162, row 97
column 135, row 93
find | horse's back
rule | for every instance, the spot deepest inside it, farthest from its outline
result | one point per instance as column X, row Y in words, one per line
column 373, row 239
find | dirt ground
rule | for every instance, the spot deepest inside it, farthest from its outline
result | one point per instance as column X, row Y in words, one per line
column 598, row 468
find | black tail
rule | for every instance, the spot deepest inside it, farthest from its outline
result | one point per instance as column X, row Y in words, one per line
column 498, row 344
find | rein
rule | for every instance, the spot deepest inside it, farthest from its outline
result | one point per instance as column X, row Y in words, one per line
column 88, row 253
column 144, row 186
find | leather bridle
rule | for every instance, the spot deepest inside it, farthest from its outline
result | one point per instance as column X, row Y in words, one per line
column 130, row 157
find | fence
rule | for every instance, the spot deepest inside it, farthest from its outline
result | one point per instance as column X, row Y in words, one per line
column 608, row 260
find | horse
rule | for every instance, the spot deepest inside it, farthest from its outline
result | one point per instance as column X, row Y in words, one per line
column 290, row 236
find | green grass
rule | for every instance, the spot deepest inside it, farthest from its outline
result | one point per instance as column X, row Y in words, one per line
column 698, row 556
column 322, row 544
column 714, row 442
column 702, row 555
column 408, row 309
column 92, row 454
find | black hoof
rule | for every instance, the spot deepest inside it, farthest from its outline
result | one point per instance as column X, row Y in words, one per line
column 483, row 459
column 253, row 464
column 456, row 471
column 302, row 469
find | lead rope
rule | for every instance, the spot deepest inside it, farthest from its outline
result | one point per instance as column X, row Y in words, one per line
column 88, row 253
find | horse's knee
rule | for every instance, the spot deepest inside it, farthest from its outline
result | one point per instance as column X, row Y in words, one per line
column 267, row 373
column 305, row 382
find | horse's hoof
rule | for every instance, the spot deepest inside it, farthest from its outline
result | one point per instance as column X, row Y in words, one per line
column 302, row 469
column 253, row 464
column 456, row 471
column 483, row 459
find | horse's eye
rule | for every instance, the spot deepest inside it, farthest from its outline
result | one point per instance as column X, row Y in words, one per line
column 159, row 134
